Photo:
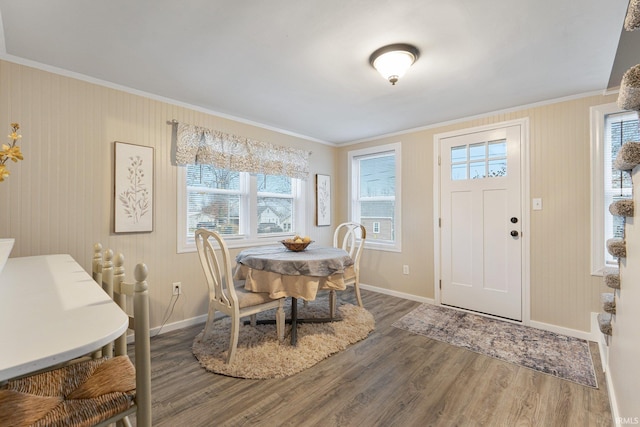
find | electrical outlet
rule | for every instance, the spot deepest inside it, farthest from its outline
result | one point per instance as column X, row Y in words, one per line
column 177, row 288
column 405, row 269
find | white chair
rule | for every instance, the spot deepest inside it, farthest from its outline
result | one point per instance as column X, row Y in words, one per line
column 96, row 391
column 229, row 296
column 349, row 236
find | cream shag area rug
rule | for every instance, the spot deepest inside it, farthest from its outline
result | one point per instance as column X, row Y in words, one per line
column 261, row 356
column 562, row 356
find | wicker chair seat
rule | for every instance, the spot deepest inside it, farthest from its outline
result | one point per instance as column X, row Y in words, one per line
column 79, row 394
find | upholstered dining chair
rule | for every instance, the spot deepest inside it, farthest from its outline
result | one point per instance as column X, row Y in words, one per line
column 92, row 391
column 228, row 295
column 349, row 236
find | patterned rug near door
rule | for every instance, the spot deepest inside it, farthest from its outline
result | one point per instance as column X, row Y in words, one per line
column 562, row 356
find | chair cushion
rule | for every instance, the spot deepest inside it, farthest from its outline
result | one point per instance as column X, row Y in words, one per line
column 247, row 298
column 79, row 394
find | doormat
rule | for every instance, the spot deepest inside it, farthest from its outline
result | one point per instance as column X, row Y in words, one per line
column 559, row 355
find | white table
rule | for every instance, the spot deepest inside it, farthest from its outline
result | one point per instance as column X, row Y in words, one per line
column 52, row 311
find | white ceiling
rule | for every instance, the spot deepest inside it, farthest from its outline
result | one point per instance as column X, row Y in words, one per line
column 301, row 66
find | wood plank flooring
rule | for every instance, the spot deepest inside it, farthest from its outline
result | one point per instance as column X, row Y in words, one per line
column 392, row 378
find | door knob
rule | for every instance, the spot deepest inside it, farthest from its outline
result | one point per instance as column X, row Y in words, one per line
column 514, row 233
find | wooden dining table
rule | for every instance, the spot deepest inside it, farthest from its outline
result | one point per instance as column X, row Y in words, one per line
column 298, row 275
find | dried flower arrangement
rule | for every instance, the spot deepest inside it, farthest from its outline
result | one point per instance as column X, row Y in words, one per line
column 10, row 151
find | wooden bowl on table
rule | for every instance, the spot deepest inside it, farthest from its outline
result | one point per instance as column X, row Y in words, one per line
column 295, row 246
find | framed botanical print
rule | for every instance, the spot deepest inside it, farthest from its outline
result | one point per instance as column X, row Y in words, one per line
column 323, row 200
column 133, row 192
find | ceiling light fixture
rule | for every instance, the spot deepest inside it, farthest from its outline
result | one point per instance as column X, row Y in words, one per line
column 394, row 60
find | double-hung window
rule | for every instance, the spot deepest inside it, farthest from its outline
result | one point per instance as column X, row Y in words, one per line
column 245, row 208
column 374, row 194
column 610, row 129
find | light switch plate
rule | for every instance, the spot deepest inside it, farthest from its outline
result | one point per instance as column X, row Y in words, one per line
column 537, row 204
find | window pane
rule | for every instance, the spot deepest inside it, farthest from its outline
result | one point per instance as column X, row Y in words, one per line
column 617, row 222
column 498, row 167
column 622, row 131
column 210, row 177
column 273, row 184
column 459, row 154
column 477, row 151
column 458, row 172
column 217, row 212
column 275, row 215
column 498, row 149
column 381, row 212
column 476, row 170
column 378, row 176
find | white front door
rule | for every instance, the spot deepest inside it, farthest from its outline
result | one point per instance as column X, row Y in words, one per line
column 480, row 229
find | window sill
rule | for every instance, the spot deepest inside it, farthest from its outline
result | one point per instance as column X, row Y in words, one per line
column 238, row 242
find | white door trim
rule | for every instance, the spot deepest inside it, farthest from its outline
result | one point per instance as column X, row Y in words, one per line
column 525, row 195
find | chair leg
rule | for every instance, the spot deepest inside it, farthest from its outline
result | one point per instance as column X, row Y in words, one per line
column 280, row 321
column 233, row 342
column 254, row 319
column 358, row 297
column 332, row 304
column 210, row 317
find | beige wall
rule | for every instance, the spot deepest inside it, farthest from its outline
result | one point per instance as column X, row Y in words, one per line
column 563, row 293
column 59, row 199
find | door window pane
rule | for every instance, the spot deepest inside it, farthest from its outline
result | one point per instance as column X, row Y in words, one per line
column 478, row 151
column 497, row 168
column 498, row 149
column 458, row 172
column 477, row 170
column 459, row 154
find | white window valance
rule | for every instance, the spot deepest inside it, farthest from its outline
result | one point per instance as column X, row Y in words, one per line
column 198, row 145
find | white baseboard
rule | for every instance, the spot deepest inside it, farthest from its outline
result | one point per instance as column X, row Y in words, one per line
column 180, row 324
column 203, row 318
column 397, row 294
column 159, row 330
column 612, row 399
column 604, row 359
column 589, row 336
column 601, row 340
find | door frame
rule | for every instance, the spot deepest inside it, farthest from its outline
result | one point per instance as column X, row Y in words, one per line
column 525, row 203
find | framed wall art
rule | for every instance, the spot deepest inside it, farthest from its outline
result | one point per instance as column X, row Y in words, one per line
column 323, row 200
column 133, row 193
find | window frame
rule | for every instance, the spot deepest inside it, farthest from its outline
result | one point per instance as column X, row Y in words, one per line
column 248, row 205
column 353, row 205
column 599, row 155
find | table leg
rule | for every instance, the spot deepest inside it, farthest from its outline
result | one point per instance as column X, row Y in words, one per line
column 294, row 321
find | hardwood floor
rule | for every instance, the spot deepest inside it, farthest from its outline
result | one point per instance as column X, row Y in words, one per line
column 392, row 378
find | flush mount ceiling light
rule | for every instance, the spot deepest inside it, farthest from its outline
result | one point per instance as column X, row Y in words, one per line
column 394, row 60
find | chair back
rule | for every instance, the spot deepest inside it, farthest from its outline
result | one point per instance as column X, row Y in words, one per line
column 110, row 273
column 350, row 236
column 217, row 269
